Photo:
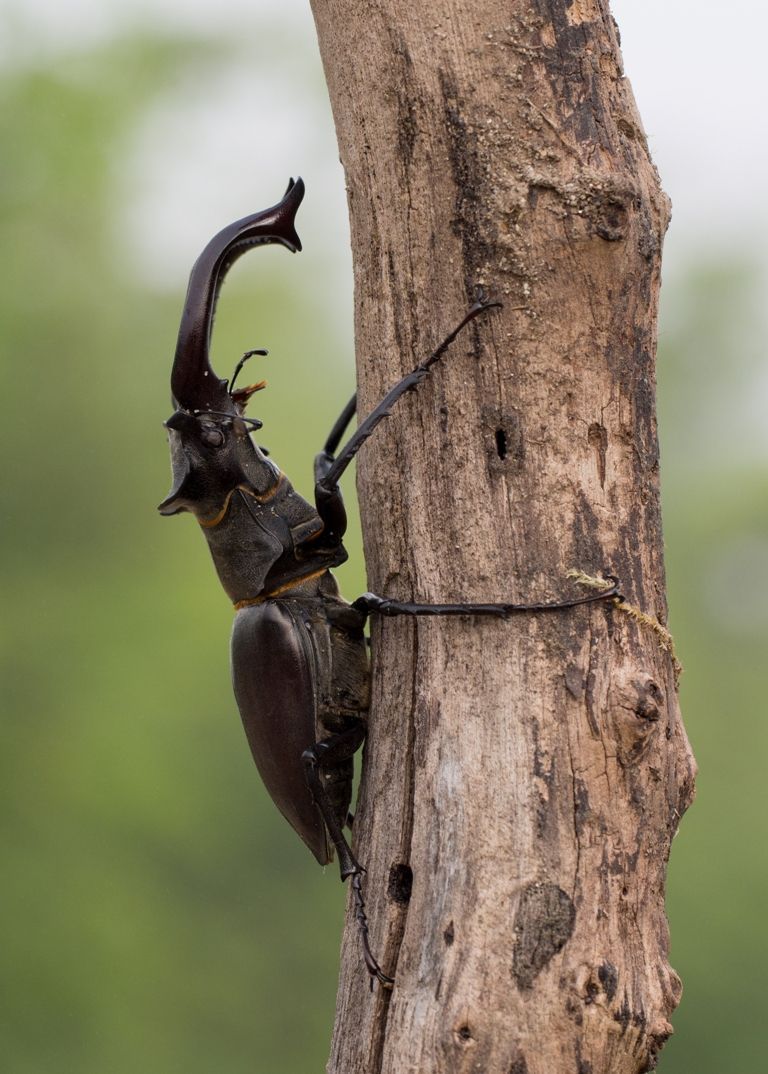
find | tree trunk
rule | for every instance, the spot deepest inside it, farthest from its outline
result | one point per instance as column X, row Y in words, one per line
column 530, row 773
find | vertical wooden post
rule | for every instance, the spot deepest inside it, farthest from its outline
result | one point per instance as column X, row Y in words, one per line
column 524, row 779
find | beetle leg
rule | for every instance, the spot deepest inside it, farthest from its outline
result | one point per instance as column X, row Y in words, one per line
column 328, row 470
column 338, row 748
column 340, row 427
column 329, row 503
column 330, row 506
column 369, row 603
column 374, row 969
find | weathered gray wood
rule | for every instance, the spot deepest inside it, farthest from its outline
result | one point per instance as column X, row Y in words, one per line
column 530, row 773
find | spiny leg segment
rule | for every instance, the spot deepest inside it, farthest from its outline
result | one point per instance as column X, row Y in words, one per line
column 340, row 747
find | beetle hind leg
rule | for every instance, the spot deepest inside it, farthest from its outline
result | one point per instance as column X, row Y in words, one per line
column 323, row 755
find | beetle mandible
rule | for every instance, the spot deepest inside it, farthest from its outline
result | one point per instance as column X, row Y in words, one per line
column 299, row 653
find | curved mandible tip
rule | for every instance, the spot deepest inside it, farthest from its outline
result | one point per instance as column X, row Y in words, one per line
column 194, row 384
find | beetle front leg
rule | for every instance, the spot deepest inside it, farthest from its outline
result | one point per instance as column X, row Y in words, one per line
column 328, row 470
column 339, row 747
column 331, row 505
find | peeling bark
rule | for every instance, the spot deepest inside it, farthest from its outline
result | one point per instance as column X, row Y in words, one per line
column 523, row 779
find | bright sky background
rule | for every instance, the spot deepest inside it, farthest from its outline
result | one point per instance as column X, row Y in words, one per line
column 698, row 74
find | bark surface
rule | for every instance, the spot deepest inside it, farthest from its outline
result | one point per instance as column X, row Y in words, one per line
column 523, row 779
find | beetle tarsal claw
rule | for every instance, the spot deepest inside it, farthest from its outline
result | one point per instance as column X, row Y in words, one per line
column 374, row 969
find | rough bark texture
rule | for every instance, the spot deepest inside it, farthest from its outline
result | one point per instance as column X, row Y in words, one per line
column 530, row 773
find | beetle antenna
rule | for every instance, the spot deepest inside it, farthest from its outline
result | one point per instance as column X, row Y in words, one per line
column 240, row 364
column 254, row 422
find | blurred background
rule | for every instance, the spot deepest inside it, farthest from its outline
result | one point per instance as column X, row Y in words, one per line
column 157, row 916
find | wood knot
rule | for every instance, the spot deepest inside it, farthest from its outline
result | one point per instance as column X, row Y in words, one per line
column 638, row 707
column 463, row 1036
column 611, row 217
column 672, row 987
column 597, row 984
column 657, row 1036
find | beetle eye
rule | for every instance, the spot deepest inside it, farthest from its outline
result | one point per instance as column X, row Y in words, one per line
column 212, row 436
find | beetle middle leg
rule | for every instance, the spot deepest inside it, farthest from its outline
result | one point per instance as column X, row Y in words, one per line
column 370, row 603
column 317, row 760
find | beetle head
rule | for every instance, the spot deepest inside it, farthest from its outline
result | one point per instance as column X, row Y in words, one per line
column 212, row 454
column 211, row 451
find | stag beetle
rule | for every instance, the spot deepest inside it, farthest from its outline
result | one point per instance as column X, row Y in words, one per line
column 299, row 654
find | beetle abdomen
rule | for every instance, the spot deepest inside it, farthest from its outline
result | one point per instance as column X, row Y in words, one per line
column 275, row 686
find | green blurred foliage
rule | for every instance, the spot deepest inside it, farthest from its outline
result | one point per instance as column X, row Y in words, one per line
column 157, row 914
column 714, row 480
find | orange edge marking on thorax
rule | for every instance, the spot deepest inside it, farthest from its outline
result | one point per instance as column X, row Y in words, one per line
column 207, row 523
column 265, row 495
column 279, row 589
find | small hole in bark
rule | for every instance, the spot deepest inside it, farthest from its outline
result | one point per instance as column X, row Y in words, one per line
column 449, row 934
column 501, row 443
column 464, row 1033
column 400, row 883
